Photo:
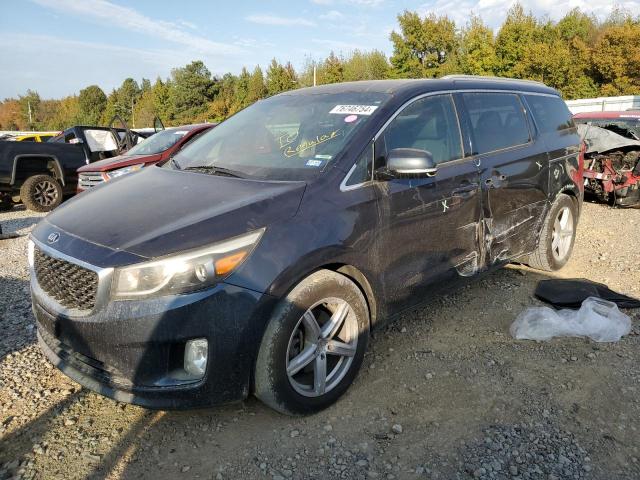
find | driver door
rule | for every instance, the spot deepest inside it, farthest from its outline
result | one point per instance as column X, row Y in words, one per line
column 429, row 226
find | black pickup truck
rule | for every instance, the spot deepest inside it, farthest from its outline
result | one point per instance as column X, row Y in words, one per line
column 40, row 174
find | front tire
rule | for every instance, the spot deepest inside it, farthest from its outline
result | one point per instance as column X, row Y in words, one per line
column 557, row 236
column 41, row 193
column 313, row 346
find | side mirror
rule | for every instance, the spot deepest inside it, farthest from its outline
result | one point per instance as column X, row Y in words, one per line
column 411, row 162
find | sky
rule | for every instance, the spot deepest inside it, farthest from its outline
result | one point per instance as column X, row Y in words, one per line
column 57, row 47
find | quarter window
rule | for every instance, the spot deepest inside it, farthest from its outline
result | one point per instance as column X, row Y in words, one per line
column 427, row 124
column 497, row 121
column 363, row 171
column 551, row 113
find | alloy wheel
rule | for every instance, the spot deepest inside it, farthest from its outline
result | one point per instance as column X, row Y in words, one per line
column 45, row 193
column 562, row 234
column 321, row 347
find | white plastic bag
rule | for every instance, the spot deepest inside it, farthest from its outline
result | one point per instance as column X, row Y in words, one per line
column 597, row 319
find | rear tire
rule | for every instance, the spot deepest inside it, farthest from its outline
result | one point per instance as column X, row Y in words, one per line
column 41, row 193
column 557, row 236
column 313, row 346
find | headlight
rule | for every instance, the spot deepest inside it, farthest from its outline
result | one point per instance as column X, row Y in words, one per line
column 121, row 171
column 184, row 272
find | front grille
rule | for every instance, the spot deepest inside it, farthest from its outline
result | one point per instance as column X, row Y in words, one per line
column 90, row 179
column 71, row 285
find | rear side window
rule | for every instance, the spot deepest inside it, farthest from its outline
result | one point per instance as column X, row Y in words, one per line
column 551, row 113
column 429, row 124
column 497, row 121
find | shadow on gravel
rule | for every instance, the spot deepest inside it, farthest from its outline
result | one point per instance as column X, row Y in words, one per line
column 19, row 443
column 127, row 446
column 12, row 225
column 16, row 320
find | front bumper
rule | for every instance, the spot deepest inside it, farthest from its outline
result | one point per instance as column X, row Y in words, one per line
column 132, row 351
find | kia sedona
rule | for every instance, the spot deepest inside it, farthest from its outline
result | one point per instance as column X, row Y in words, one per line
column 259, row 259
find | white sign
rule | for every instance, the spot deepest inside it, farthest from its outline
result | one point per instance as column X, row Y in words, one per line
column 354, row 109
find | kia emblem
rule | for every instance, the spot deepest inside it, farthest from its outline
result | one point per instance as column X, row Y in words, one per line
column 53, row 237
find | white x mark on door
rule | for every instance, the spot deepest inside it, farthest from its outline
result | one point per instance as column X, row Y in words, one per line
column 445, row 207
column 539, row 165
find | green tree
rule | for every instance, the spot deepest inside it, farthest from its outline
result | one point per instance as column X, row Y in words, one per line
column 576, row 24
column 163, row 101
column 145, row 85
column 224, row 103
column 477, row 54
column 332, row 70
column 514, row 37
column 257, row 87
column 67, row 113
column 280, row 78
column 242, row 90
column 192, row 90
column 365, row 66
column 91, row 103
column 416, row 48
column 121, row 102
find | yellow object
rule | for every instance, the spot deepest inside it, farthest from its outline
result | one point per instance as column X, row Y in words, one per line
column 36, row 137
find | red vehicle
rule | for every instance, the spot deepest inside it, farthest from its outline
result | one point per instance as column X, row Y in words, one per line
column 612, row 160
column 155, row 149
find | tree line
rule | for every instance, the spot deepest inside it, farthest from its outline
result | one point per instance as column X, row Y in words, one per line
column 578, row 55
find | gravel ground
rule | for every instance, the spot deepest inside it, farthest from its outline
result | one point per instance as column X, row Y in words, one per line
column 445, row 393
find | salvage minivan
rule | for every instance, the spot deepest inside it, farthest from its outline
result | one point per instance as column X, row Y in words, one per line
column 259, row 259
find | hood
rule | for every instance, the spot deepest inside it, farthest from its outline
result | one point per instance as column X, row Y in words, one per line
column 158, row 211
column 119, row 162
column 601, row 140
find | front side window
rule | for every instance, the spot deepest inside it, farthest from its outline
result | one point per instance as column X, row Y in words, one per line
column 286, row 137
column 427, row 124
column 497, row 121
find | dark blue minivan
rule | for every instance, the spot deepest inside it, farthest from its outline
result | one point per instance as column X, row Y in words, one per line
column 258, row 259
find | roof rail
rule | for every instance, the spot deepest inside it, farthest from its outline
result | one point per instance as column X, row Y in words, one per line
column 493, row 79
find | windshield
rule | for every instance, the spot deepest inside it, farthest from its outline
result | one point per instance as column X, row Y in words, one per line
column 158, row 142
column 287, row 137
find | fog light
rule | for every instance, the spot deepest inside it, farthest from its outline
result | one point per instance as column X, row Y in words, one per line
column 196, row 353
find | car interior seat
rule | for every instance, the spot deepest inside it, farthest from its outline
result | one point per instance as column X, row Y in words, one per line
column 488, row 132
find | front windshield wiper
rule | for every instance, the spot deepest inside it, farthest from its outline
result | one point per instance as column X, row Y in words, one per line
column 213, row 170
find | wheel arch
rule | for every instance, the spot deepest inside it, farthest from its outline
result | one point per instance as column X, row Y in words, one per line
column 345, row 268
column 570, row 192
column 52, row 166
